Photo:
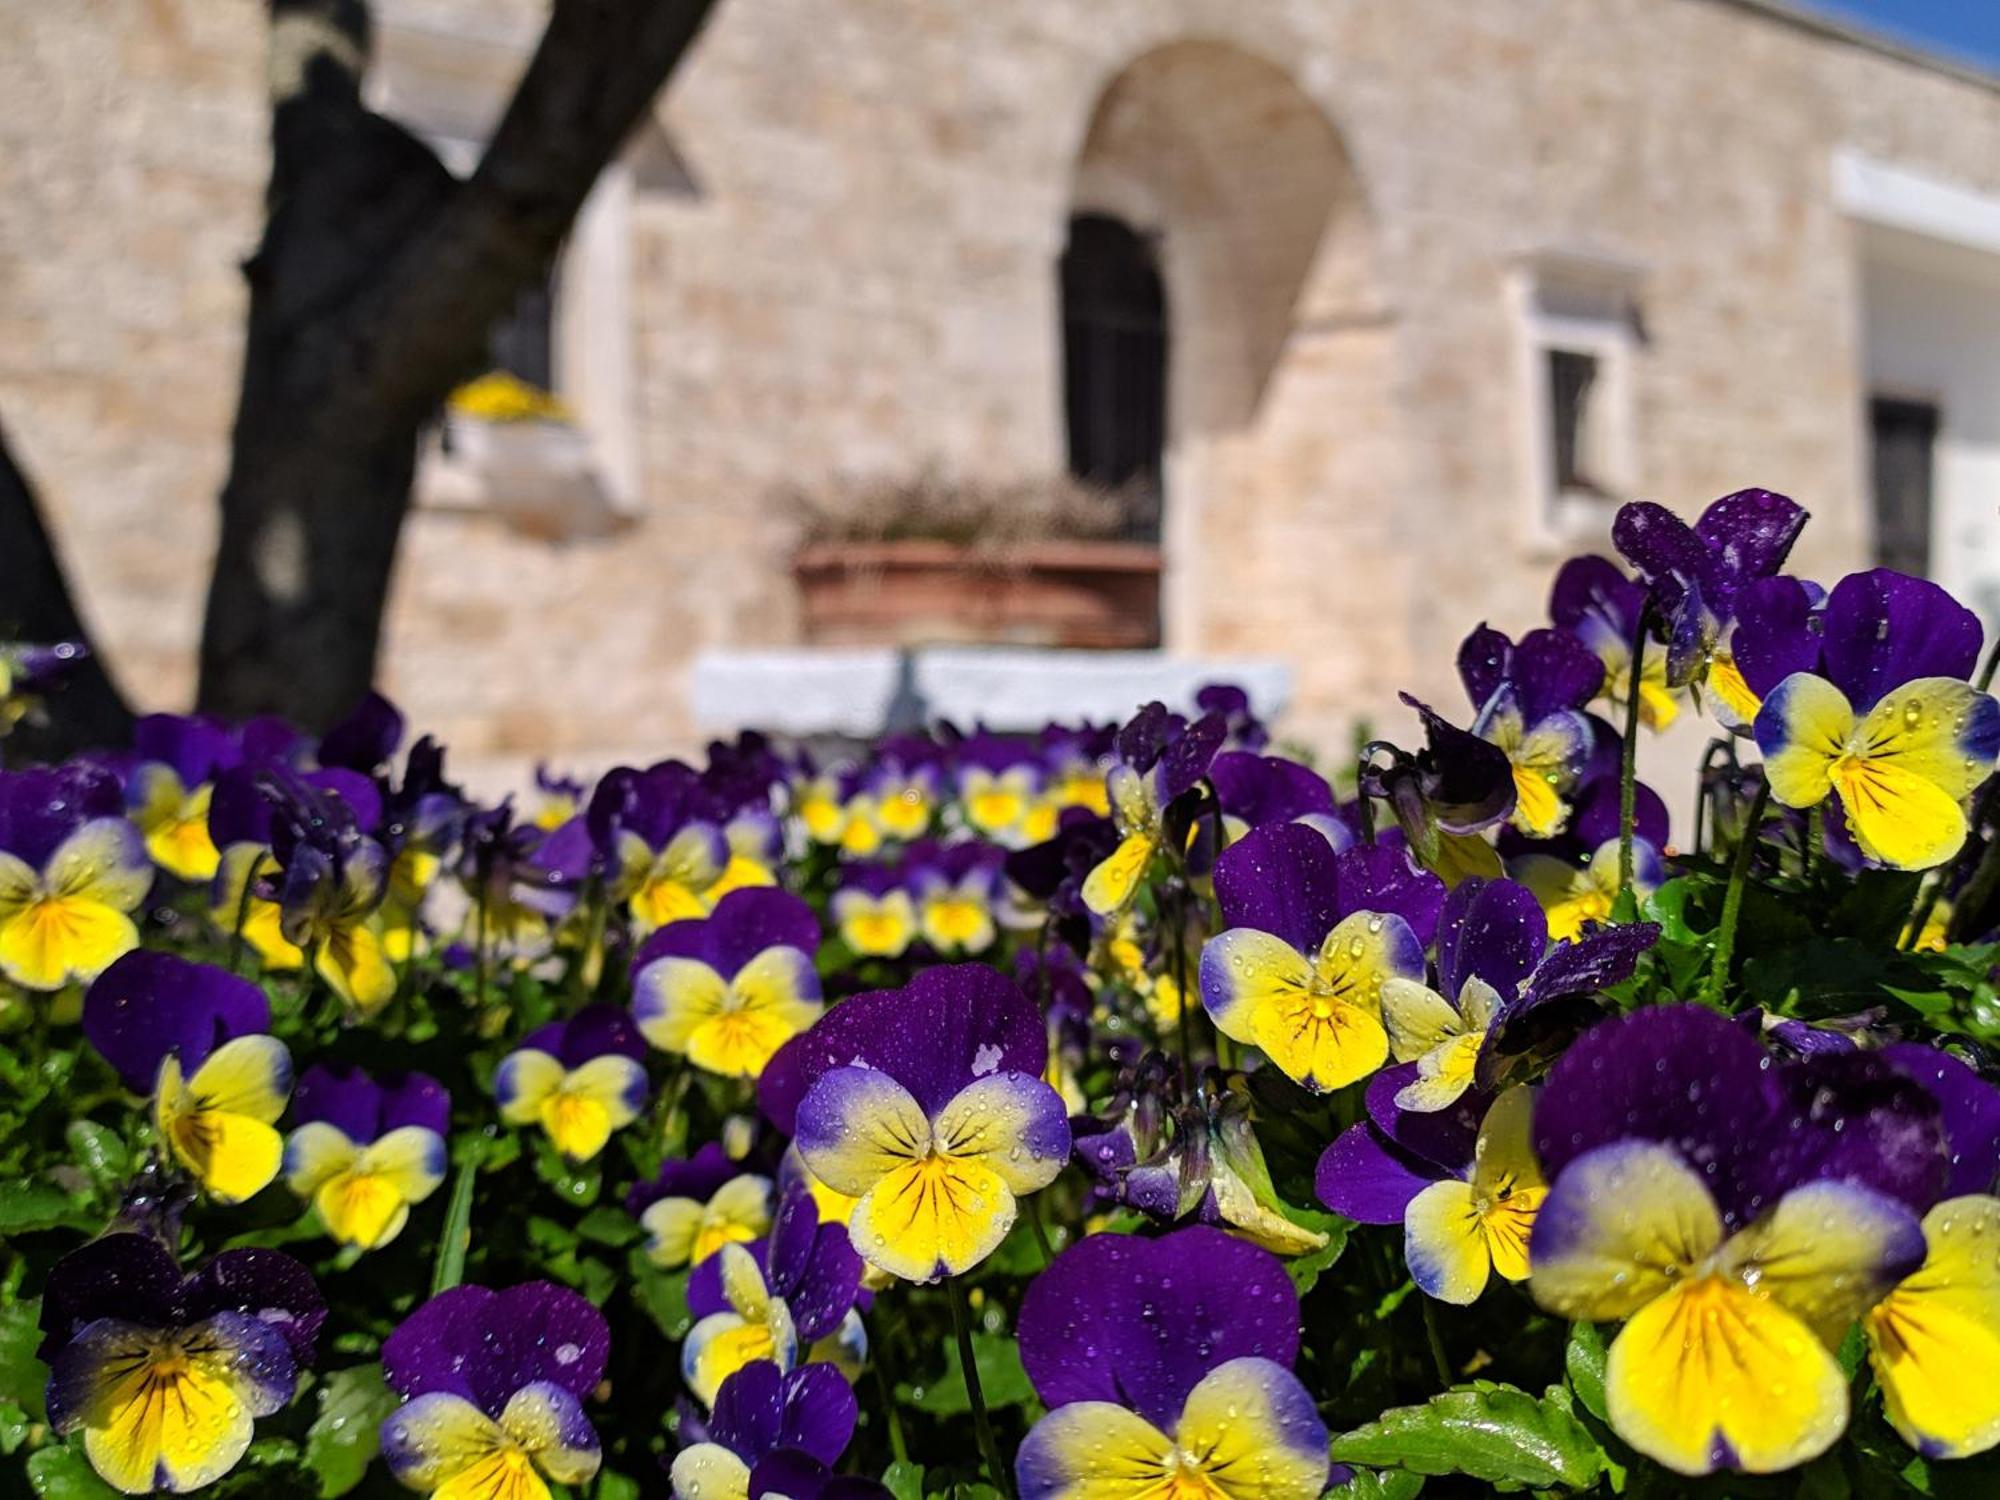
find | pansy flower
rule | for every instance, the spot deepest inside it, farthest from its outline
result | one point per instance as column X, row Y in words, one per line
column 28, row 673
column 366, row 1150
column 193, row 1036
column 1527, row 698
column 1696, row 572
column 578, row 1079
column 691, row 1209
column 956, row 888
column 1738, row 1216
column 165, row 1374
column 243, row 900
column 1886, row 721
column 1445, row 796
column 730, row 989
column 927, row 1104
column 332, row 878
column 1312, row 937
column 664, row 846
column 1161, row 758
column 1253, row 790
column 766, row 1425
column 999, row 789
column 873, row 911
column 558, row 799
column 493, row 1385
column 1464, row 1185
column 1579, row 897
column 1073, row 766
column 72, row 871
column 1600, row 606
column 168, row 790
column 1166, row 1368
column 772, row 1299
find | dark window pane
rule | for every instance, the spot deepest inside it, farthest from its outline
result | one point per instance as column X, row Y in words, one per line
column 1572, row 379
column 1904, row 437
column 1115, row 363
column 520, row 341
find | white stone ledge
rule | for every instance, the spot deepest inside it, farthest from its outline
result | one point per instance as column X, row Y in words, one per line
column 806, row 691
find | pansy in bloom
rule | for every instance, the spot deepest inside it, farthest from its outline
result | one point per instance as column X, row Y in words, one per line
column 1696, row 572
column 333, row 876
column 169, row 788
column 1887, row 722
column 1528, row 699
column 1253, row 790
column 658, row 832
column 578, row 1079
column 1738, row 1215
column 873, row 911
column 771, row 1300
column 28, row 673
column 957, row 889
column 72, row 871
column 1161, row 758
column 691, row 1209
column 366, row 1150
column 1445, row 796
column 1600, row 606
column 194, row 1037
column 927, row 1104
column 165, row 1374
column 1579, row 897
column 730, row 989
column 243, row 900
column 1313, row 936
column 765, row 1425
column 493, row 1385
column 999, row 789
column 1166, row 1368
column 1464, row 1185
column 1496, row 968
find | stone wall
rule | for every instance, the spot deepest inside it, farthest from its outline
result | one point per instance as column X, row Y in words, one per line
column 850, row 271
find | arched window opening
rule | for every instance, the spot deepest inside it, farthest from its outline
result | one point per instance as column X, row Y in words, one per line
column 1115, row 364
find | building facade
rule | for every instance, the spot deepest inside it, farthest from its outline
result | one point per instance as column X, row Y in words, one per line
column 1436, row 285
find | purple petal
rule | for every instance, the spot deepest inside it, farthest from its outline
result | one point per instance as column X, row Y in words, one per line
column 268, row 1285
column 416, row 1099
column 949, row 1025
column 750, row 1411
column 597, row 1031
column 1662, row 548
column 1750, row 533
column 696, row 1177
column 1263, row 789
column 40, row 808
column 1591, row 590
column 149, row 1004
column 813, row 1266
column 434, row 1348
column 1493, row 929
column 1883, row 629
column 743, row 924
column 1677, row 1074
column 1971, row 1112
column 1469, row 783
column 1485, row 661
column 132, row 1278
column 1601, row 958
column 196, row 748
column 1185, row 761
column 1553, row 671
column 1444, row 1138
column 1382, row 878
column 1857, row 1117
column 1139, row 1322
column 1283, row 879
column 366, row 738
column 1597, row 815
column 819, row 1413
column 343, row 1097
column 1363, row 1176
column 1775, row 634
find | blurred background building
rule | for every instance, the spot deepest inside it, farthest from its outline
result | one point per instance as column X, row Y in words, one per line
column 1284, row 339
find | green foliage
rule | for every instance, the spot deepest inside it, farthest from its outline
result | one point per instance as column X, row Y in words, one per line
column 1493, row 1433
column 345, row 1434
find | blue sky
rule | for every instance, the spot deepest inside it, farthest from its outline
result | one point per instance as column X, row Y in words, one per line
column 1968, row 29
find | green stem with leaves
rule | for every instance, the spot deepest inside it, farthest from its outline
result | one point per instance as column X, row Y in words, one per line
column 997, row 1472
column 1732, row 899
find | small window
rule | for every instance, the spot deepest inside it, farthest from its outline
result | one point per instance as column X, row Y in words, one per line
column 1576, row 430
column 1903, row 450
column 1115, row 364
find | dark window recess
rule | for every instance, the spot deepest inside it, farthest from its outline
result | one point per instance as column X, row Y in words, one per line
column 1573, row 420
column 1115, row 364
column 520, row 342
column 1904, row 443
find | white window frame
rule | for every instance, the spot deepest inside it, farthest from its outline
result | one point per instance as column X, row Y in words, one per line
column 1578, row 304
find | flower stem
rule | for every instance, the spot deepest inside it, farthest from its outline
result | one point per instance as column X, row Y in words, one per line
column 885, row 1387
column 1628, row 759
column 998, row 1473
column 1034, row 1206
column 1436, row 1338
column 1732, row 900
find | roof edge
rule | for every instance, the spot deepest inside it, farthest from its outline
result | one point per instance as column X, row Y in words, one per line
column 1859, row 34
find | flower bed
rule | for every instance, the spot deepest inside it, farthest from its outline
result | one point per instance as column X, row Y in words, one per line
column 1128, row 1110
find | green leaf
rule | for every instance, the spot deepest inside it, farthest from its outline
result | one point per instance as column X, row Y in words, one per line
column 1493, row 1433
column 456, row 1236
column 23, row 1377
column 65, row 1474
column 605, row 1225
column 612, row 1485
column 1584, row 1360
column 99, row 1151
column 1305, row 1270
column 1669, row 907
column 342, row 1440
column 14, row 1426
column 29, row 1206
column 1384, row 1484
column 1001, row 1379
column 663, row 1295
column 904, row 1480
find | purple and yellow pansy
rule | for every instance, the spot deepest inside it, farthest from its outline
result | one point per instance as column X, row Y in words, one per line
column 1161, row 758
column 164, row 1372
column 493, row 1386
column 1528, row 699
column 690, row 1209
column 579, row 1080
column 728, row 990
column 72, row 873
column 873, row 911
column 927, row 1105
column 1166, row 1368
column 365, row 1151
column 772, row 1432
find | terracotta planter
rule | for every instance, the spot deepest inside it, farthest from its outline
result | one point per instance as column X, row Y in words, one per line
column 1103, row 595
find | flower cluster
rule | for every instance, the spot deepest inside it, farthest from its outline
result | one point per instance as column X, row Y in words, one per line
column 1113, row 1111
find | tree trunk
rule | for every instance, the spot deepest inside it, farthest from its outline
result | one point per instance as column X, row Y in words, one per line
column 371, row 297
column 35, row 607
